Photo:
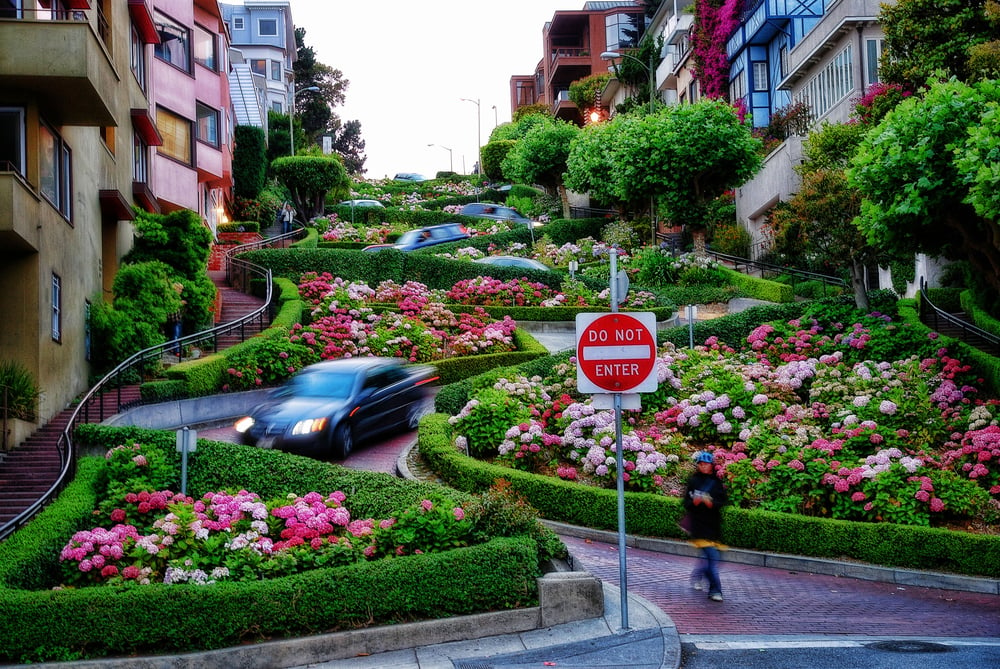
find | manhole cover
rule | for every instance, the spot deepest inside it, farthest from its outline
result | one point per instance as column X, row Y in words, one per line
column 909, row 647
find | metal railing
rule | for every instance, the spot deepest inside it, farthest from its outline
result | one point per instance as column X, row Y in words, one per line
column 936, row 318
column 92, row 407
column 767, row 269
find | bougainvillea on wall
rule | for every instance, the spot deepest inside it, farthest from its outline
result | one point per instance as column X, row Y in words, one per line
column 714, row 22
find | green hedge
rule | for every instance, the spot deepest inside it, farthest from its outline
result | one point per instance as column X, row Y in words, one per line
column 239, row 226
column 657, row 516
column 760, row 289
column 977, row 314
column 38, row 623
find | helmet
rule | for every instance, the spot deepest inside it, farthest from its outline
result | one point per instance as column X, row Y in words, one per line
column 703, row 456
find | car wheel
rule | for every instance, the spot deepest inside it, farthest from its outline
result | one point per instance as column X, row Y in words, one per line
column 343, row 441
column 418, row 410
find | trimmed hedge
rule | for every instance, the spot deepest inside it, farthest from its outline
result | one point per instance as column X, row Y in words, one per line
column 760, row 289
column 38, row 623
column 657, row 516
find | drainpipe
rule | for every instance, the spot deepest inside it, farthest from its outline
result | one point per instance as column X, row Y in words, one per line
column 861, row 58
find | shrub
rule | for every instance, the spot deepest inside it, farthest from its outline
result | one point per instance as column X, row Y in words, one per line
column 18, row 392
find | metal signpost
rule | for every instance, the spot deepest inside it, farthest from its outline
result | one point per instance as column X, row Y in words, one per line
column 616, row 355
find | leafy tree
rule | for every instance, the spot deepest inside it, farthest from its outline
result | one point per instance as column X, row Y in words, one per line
column 633, row 73
column 923, row 37
column 351, row 148
column 685, row 156
column 315, row 108
column 278, row 139
column 493, row 154
column 249, row 161
column 530, row 110
column 178, row 239
column 583, row 92
column 540, row 158
column 591, row 161
column 927, row 173
column 308, row 180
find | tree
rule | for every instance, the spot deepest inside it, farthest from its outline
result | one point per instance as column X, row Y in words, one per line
column 684, row 156
column 308, row 180
column 823, row 211
column 591, row 162
column 924, row 37
column 493, row 154
column 249, row 161
column 351, row 148
column 540, row 158
column 927, row 175
column 315, row 108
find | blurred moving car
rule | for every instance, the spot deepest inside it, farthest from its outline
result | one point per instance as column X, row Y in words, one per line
column 432, row 235
column 409, row 176
column 494, row 212
column 514, row 261
column 327, row 408
column 362, row 203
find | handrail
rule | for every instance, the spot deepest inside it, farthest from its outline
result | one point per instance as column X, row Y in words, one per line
column 932, row 315
column 136, row 363
column 762, row 266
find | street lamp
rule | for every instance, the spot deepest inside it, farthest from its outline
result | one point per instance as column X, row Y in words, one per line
column 479, row 143
column 650, row 70
column 451, row 163
column 496, row 121
column 291, row 113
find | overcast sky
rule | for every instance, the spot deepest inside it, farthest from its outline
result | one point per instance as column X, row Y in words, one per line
column 410, row 63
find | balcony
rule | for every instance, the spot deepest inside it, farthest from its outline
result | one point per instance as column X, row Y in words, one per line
column 64, row 65
column 762, row 19
column 19, row 233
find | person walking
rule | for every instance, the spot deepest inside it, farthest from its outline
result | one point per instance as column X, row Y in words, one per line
column 703, row 501
column 287, row 216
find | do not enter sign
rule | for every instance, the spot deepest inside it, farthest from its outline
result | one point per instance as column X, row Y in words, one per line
column 616, row 353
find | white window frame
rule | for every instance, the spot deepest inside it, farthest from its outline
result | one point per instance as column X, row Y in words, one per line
column 56, row 296
column 830, row 86
column 238, row 23
column 760, row 76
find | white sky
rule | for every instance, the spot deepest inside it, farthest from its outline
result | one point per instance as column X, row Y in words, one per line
column 410, row 63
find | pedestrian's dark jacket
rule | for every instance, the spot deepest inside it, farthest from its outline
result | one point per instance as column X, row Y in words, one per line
column 706, row 523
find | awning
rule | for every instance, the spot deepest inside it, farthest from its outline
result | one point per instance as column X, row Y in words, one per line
column 144, row 125
column 114, row 205
column 78, row 4
column 142, row 19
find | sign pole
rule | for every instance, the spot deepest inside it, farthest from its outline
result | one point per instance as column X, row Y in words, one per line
column 619, row 461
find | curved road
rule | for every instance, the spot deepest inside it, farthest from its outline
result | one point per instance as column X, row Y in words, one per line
column 758, row 600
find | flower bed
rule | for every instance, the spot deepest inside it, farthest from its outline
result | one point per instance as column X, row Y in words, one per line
column 861, row 420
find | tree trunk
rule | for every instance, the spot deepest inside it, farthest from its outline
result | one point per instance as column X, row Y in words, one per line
column 698, row 237
column 858, row 284
column 564, row 199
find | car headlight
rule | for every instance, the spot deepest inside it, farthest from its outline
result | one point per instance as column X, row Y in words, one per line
column 309, row 425
column 243, row 424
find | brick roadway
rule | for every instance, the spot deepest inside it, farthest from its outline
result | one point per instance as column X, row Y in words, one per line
column 758, row 600
column 768, row 601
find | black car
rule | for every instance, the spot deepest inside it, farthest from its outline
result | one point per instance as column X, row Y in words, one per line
column 327, row 408
column 494, row 212
column 411, row 240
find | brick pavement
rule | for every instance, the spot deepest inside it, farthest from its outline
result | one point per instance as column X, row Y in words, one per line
column 763, row 600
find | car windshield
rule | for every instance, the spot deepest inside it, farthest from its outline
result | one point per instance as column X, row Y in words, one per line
column 409, row 237
column 335, row 385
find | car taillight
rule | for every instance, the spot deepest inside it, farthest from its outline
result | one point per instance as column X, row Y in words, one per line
column 423, row 381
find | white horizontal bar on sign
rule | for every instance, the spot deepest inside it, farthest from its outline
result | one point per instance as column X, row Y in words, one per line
column 616, row 352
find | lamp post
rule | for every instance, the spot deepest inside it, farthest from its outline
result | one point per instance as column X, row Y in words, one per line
column 649, row 67
column 479, row 143
column 451, row 162
column 496, row 120
column 651, row 71
column 291, row 113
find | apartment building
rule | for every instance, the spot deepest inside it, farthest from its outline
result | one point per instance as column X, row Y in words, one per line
column 74, row 115
column 572, row 44
column 264, row 34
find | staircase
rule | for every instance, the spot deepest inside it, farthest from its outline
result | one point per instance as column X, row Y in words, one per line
column 30, row 470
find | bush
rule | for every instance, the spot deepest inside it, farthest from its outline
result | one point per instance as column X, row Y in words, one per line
column 18, row 391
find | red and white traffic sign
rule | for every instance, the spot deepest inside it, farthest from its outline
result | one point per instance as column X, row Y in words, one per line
column 616, row 353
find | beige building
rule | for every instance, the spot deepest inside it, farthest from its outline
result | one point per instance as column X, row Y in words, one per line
column 71, row 108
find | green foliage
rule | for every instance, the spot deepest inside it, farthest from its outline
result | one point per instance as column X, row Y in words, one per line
column 178, row 239
column 583, row 92
column 540, row 156
column 249, row 161
column 485, row 422
column 493, row 156
column 732, row 239
column 309, row 179
column 18, row 392
column 592, row 159
column 117, row 335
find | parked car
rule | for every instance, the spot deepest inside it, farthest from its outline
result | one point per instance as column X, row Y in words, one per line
column 494, row 212
column 409, row 176
column 432, row 235
column 362, row 203
column 514, row 261
column 327, row 408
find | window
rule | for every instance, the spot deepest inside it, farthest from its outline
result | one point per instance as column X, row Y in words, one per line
column 10, row 9
column 622, row 31
column 12, row 133
column 137, row 58
column 783, row 60
column 873, row 53
column 738, row 86
column 140, row 159
column 56, row 308
column 760, row 76
column 277, row 107
column 833, row 83
column 176, row 133
column 276, row 70
column 208, row 125
column 204, row 48
column 259, row 66
column 54, row 169
column 238, row 23
column 175, row 43
column 267, row 27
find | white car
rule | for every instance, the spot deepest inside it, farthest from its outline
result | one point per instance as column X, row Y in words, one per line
column 362, row 203
column 514, row 261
